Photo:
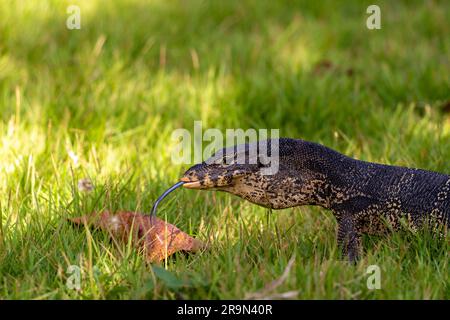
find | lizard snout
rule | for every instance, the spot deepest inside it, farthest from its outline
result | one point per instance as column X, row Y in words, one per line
column 190, row 184
column 204, row 176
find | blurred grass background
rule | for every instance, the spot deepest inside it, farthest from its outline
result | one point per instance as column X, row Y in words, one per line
column 101, row 103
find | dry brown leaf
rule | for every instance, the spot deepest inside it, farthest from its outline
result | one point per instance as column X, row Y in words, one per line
column 157, row 238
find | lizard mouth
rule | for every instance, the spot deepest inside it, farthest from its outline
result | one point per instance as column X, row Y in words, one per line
column 191, row 184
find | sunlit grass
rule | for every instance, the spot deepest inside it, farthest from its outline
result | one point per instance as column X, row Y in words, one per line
column 101, row 103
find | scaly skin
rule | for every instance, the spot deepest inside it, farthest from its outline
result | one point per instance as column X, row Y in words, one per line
column 365, row 197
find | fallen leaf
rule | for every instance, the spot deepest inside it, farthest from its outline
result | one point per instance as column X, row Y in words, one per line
column 155, row 237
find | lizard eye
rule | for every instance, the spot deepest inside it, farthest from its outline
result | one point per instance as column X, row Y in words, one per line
column 227, row 160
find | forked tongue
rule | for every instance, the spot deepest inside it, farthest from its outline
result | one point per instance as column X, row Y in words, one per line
column 161, row 197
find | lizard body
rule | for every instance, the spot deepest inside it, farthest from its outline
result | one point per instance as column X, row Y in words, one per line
column 365, row 197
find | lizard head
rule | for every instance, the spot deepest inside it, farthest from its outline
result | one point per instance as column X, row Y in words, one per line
column 224, row 169
column 255, row 172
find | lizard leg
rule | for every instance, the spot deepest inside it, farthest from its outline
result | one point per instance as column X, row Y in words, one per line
column 349, row 239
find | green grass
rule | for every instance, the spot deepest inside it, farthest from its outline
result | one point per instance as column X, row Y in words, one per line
column 113, row 92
